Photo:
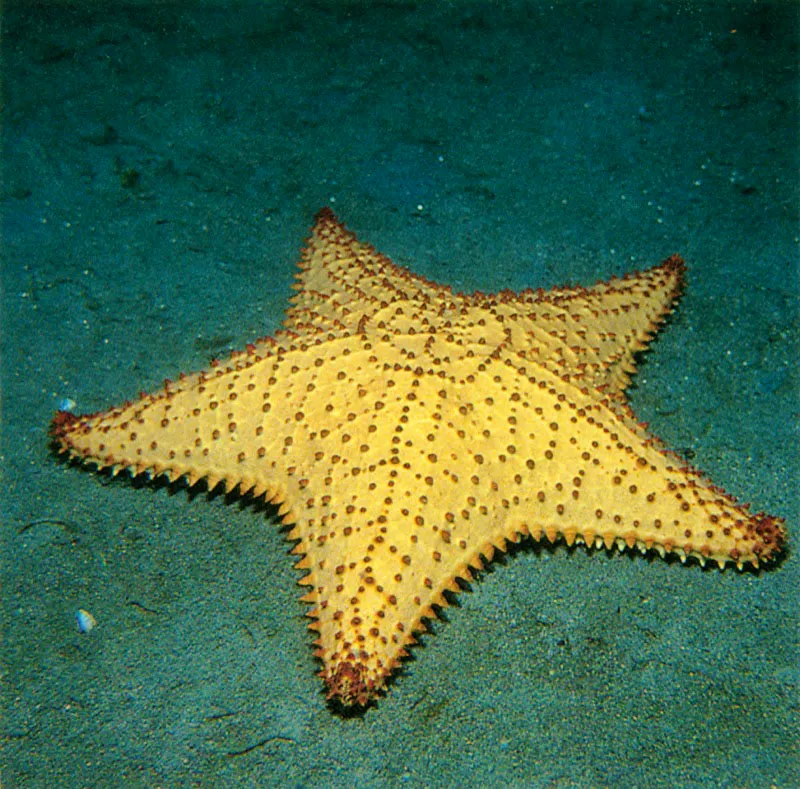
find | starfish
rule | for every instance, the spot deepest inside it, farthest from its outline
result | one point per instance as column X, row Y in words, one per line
column 408, row 433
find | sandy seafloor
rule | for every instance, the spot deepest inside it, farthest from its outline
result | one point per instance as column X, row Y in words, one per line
column 161, row 167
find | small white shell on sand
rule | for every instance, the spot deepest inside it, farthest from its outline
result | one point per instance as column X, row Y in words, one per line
column 86, row 622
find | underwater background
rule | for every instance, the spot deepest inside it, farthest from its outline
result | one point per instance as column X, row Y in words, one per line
column 161, row 167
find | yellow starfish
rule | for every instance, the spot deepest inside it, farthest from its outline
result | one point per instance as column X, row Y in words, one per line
column 409, row 433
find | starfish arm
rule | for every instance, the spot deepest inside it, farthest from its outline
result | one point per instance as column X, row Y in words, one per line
column 592, row 335
column 342, row 281
column 239, row 422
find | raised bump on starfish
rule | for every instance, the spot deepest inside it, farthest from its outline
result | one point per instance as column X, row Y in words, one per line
column 409, row 432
